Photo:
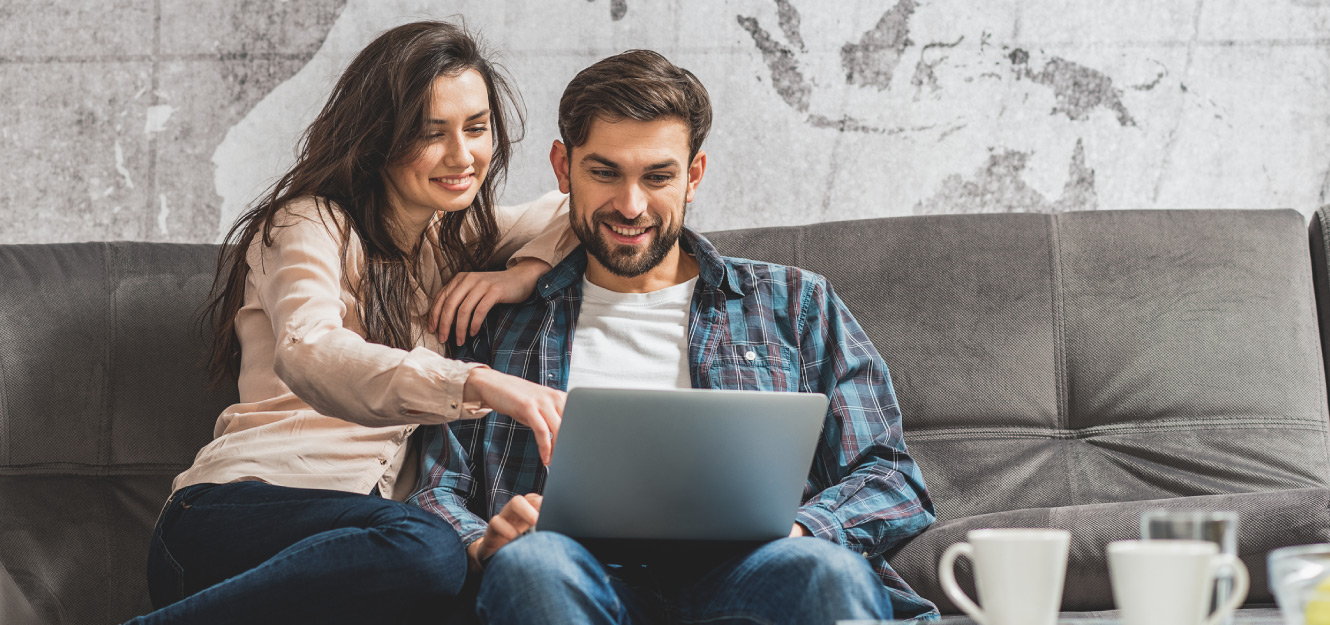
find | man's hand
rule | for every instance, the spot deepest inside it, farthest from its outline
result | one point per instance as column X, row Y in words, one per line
column 469, row 296
column 537, row 407
column 517, row 516
column 799, row 530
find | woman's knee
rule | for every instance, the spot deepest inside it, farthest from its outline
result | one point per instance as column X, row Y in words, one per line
column 423, row 551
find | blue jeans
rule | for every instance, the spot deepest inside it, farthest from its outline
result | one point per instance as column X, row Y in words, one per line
column 250, row 552
column 545, row 577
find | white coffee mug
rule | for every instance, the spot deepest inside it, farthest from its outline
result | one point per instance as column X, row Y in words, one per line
column 1018, row 574
column 1169, row 582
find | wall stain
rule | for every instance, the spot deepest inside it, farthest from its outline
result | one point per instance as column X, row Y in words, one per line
column 924, row 74
column 789, row 23
column 785, row 75
column 1078, row 89
column 872, row 62
column 998, row 187
column 618, row 8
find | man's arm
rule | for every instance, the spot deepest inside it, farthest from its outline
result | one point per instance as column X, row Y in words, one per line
column 868, row 494
column 446, row 479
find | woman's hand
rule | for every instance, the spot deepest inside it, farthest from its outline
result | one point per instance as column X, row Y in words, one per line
column 470, row 295
column 537, row 407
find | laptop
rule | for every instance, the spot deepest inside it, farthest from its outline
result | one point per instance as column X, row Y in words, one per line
column 639, row 474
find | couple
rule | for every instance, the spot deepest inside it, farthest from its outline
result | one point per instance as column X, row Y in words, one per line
column 341, row 296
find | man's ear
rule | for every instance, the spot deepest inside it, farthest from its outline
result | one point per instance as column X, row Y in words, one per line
column 695, row 171
column 559, row 161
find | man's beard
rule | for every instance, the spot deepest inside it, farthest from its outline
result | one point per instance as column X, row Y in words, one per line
column 622, row 260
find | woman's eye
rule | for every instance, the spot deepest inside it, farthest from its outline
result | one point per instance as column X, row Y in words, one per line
column 478, row 130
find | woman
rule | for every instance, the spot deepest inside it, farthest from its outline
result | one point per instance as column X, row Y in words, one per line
column 292, row 513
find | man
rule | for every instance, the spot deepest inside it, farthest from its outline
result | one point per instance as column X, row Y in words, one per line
column 652, row 304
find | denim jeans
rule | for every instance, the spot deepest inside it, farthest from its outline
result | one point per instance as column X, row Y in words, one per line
column 250, row 552
column 545, row 577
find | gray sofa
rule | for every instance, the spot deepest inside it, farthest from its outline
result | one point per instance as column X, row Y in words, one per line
column 1054, row 371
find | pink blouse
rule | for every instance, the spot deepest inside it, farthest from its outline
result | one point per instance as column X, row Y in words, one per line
column 320, row 407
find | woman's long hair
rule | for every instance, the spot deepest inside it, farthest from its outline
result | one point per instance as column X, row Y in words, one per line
column 375, row 117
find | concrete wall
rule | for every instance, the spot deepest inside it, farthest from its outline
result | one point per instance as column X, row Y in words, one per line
column 161, row 119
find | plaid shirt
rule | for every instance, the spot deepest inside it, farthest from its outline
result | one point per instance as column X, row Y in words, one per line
column 864, row 491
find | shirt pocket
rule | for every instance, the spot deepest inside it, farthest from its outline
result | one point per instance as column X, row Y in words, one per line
column 755, row 367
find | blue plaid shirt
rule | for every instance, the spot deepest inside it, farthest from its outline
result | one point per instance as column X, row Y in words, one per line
column 864, row 491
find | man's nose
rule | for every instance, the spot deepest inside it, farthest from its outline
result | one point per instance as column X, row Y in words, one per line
column 632, row 201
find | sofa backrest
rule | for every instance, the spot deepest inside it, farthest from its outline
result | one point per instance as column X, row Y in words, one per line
column 1081, row 358
column 103, row 400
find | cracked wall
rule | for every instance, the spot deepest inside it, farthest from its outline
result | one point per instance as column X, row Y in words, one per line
column 161, row 119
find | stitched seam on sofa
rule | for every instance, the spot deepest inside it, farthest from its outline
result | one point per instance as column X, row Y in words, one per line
column 104, row 428
column 88, row 470
column 1319, row 345
column 1057, row 288
column 5, row 454
column 1113, row 429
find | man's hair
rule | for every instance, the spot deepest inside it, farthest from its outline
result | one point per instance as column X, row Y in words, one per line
column 637, row 84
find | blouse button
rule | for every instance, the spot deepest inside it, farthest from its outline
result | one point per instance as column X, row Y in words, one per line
column 750, row 355
column 454, row 404
column 383, row 461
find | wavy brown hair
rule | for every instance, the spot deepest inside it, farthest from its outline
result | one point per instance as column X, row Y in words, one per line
column 376, row 117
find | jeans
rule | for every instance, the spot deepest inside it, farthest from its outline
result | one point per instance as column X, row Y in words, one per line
column 250, row 552
column 546, row 577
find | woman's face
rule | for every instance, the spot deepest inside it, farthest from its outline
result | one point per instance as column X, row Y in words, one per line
column 447, row 173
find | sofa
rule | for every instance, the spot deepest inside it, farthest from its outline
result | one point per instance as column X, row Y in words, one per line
column 1067, row 370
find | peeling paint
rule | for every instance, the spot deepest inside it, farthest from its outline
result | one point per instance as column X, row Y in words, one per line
column 998, row 187
column 157, row 117
column 785, row 75
column 1078, row 193
column 120, row 165
column 161, row 215
column 1078, row 89
column 872, row 62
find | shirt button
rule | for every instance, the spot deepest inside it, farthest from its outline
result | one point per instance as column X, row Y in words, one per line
column 410, row 429
column 454, row 404
column 383, row 461
column 750, row 355
column 550, row 376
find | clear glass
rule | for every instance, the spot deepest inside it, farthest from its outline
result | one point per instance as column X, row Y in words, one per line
column 1300, row 582
column 1220, row 527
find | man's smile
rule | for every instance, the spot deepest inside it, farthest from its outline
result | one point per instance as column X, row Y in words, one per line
column 627, row 235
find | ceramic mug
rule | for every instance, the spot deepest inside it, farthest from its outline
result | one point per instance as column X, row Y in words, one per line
column 1169, row 582
column 1018, row 574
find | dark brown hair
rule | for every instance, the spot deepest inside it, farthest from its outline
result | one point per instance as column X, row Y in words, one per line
column 375, row 117
column 637, row 84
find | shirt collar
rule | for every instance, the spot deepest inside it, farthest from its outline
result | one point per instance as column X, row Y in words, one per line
column 712, row 269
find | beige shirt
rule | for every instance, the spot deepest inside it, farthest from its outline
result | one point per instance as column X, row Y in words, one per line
column 321, row 407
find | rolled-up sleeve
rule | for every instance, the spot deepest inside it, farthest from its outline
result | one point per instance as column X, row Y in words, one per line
column 335, row 370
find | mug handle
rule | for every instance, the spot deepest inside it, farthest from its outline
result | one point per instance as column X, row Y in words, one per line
column 947, row 575
column 1241, row 582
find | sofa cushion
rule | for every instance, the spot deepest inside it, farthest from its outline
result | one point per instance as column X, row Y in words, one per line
column 1267, row 521
column 1059, row 360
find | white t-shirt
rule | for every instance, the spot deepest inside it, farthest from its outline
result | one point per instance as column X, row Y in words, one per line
column 632, row 340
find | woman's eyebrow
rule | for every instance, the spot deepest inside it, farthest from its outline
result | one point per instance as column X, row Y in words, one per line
column 471, row 118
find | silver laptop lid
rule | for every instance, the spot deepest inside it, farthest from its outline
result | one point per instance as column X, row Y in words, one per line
column 681, row 464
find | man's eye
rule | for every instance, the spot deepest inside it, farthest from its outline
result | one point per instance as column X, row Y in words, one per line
column 660, row 178
column 603, row 174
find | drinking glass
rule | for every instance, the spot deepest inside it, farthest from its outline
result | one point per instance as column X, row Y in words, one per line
column 1300, row 582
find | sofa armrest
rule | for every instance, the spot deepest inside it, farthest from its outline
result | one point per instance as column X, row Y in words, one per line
column 1267, row 521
